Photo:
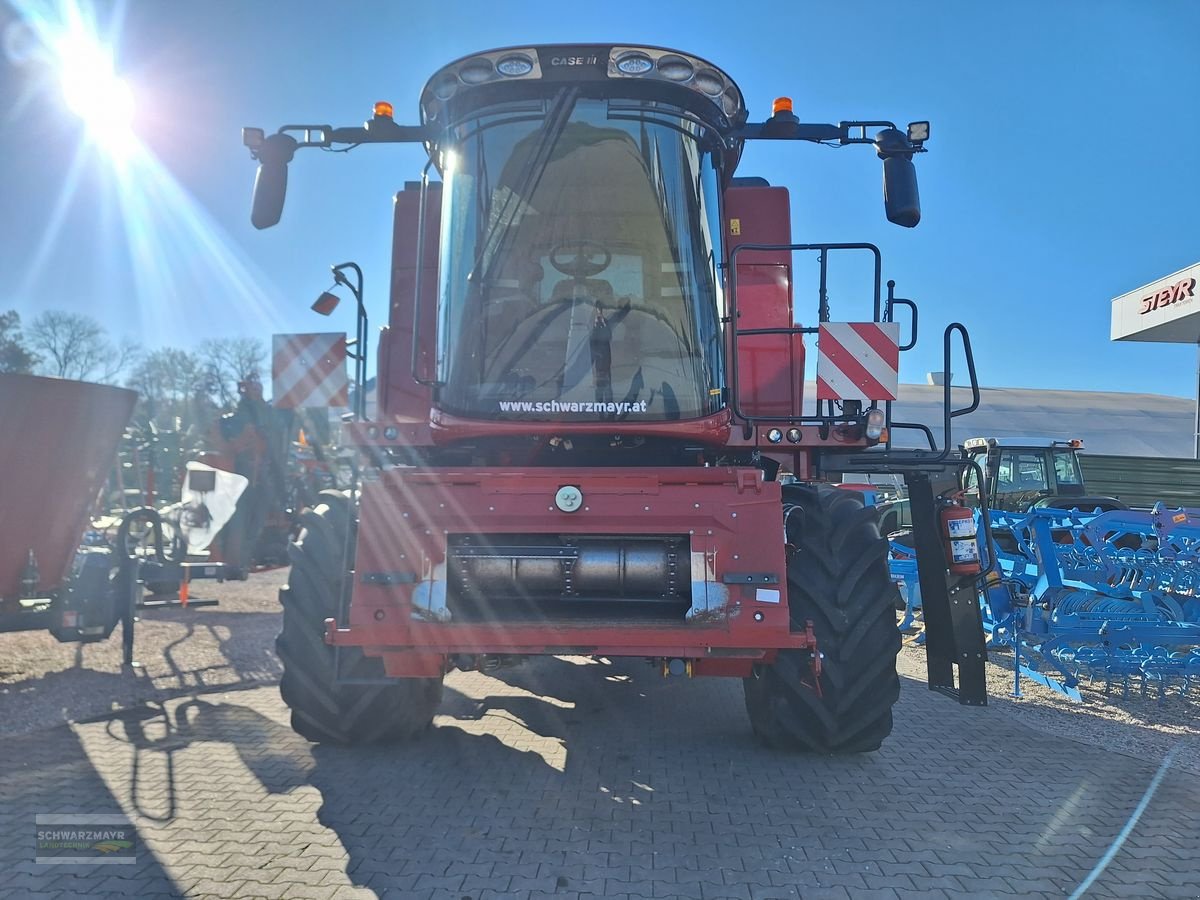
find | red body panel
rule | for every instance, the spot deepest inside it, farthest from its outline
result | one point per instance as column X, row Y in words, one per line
column 731, row 517
column 771, row 366
column 57, row 443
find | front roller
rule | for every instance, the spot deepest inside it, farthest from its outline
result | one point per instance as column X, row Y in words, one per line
column 325, row 710
column 838, row 579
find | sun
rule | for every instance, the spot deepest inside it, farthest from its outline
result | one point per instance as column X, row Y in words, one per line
column 169, row 238
column 93, row 91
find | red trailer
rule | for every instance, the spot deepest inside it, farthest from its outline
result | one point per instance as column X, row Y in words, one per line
column 591, row 376
column 57, row 446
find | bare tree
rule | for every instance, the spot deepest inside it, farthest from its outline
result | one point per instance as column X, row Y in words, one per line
column 174, row 389
column 230, row 360
column 72, row 345
column 15, row 356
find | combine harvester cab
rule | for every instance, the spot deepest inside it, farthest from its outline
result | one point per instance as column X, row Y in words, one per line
column 56, row 449
column 591, row 378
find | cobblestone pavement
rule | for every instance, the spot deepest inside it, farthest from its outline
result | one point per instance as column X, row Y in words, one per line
column 573, row 778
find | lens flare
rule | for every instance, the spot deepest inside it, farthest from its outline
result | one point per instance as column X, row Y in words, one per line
column 174, row 246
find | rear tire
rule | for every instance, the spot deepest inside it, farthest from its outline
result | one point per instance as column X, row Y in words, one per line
column 323, row 711
column 838, row 578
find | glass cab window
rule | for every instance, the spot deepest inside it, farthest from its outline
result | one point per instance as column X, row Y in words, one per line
column 1020, row 472
column 1066, row 469
column 578, row 265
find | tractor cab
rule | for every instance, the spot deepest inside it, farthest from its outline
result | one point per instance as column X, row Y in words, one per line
column 1024, row 473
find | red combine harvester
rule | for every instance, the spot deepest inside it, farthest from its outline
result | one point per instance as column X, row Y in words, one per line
column 590, row 380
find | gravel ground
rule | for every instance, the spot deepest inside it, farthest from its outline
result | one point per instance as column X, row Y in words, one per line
column 44, row 683
column 184, row 652
column 1146, row 729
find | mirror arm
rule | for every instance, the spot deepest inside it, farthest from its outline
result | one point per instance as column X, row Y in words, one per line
column 275, row 152
column 379, row 130
column 790, row 131
column 843, row 133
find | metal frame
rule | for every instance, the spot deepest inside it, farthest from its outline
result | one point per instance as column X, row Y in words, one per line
column 953, row 621
column 360, row 334
column 881, row 313
column 822, row 316
column 1092, row 606
column 379, row 617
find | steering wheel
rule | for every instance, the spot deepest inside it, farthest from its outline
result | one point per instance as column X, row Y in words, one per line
column 588, row 259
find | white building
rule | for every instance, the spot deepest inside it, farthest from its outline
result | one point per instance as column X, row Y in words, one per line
column 1108, row 422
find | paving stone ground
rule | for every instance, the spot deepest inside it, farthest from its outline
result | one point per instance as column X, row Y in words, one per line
column 573, row 778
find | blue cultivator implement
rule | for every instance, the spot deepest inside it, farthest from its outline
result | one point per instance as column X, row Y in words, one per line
column 1111, row 596
column 902, row 562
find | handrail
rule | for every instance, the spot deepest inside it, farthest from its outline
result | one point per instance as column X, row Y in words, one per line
column 822, row 316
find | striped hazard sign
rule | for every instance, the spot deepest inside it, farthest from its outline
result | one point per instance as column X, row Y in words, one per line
column 858, row 361
column 309, row 370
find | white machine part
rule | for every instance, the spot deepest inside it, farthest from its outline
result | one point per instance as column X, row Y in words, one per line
column 209, row 498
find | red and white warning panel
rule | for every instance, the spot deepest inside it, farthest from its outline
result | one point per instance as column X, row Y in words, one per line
column 309, row 370
column 858, row 361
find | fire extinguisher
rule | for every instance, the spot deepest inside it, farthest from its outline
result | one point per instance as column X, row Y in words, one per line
column 959, row 538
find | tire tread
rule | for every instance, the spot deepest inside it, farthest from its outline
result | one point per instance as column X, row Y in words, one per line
column 322, row 710
column 837, row 577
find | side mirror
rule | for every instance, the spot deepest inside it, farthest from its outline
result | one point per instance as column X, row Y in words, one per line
column 270, row 183
column 270, row 187
column 901, row 200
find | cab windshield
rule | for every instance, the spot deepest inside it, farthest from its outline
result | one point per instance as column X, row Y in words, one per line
column 579, row 251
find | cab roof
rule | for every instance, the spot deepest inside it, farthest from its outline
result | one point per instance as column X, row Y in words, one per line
column 614, row 69
column 1039, row 442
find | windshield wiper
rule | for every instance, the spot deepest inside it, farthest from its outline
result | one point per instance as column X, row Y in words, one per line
column 496, row 239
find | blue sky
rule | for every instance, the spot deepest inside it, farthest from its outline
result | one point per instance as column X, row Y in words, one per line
column 1062, row 167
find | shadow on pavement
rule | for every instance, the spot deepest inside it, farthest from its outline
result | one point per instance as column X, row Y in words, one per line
column 593, row 777
column 51, row 773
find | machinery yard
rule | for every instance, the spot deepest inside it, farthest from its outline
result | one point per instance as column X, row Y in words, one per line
column 182, row 653
column 582, row 538
column 562, row 779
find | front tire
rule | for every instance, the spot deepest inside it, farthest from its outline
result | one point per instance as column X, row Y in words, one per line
column 324, row 711
column 838, row 578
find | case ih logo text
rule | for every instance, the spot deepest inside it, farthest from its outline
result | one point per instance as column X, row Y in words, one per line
column 574, row 60
column 1181, row 290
